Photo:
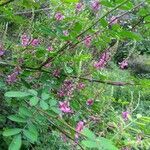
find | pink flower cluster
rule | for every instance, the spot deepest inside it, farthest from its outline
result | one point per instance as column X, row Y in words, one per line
column 102, row 61
column 88, row 40
column 1, row 51
column 66, row 89
column 89, row 102
column 125, row 115
column 59, row 16
column 65, row 107
column 56, row 73
column 80, row 86
column 50, row 48
column 12, row 78
column 113, row 20
column 123, row 64
column 79, row 7
column 79, row 128
column 66, row 33
column 25, row 40
column 95, row 5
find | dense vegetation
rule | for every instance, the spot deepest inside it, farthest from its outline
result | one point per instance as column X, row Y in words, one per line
column 75, row 74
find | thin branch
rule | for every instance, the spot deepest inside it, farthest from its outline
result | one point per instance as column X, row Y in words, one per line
column 115, row 83
column 3, row 3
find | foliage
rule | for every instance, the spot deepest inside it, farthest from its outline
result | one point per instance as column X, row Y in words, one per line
column 66, row 74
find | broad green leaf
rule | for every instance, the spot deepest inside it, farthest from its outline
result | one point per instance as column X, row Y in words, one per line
column 25, row 111
column 10, row 132
column 45, row 96
column 105, row 144
column 33, row 92
column 18, row 94
column 34, row 100
column 16, row 118
column 89, row 144
column 44, row 105
column 30, row 135
column 88, row 133
column 16, row 143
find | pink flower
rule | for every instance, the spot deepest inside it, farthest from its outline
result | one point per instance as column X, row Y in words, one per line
column 79, row 128
column 66, row 33
column 81, row 86
column 50, row 48
column 79, row 7
column 64, row 107
column 125, row 115
column 25, row 40
column 48, row 65
column 113, row 20
column 1, row 51
column 87, row 41
column 59, row 16
column 89, row 102
column 102, row 61
column 95, row 4
column 56, row 73
column 35, row 42
column 123, row 64
column 12, row 78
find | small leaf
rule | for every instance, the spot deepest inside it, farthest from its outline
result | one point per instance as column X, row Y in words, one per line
column 34, row 100
column 17, row 94
column 88, row 133
column 16, row 143
column 25, row 111
column 33, row 92
column 30, row 135
column 17, row 118
column 44, row 105
column 89, row 144
column 10, row 132
column 45, row 96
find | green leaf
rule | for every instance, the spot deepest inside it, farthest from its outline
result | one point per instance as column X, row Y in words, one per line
column 33, row 92
column 18, row 94
column 89, row 144
column 105, row 144
column 30, row 135
column 16, row 118
column 10, row 132
column 45, row 96
column 16, row 143
column 25, row 111
column 44, row 105
column 88, row 133
column 34, row 100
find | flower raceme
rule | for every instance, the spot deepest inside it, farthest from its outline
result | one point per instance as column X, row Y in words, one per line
column 95, row 5
column 1, row 51
column 125, row 115
column 113, row 20
column 87, row 41
column 65, row 107
column 102, row 61
column 12, row 78
column 79, row 7
column 25, row 41
column 89, row 102
column 79, row 128
column 66, row 33
column 59, row 16
column 123, row 64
